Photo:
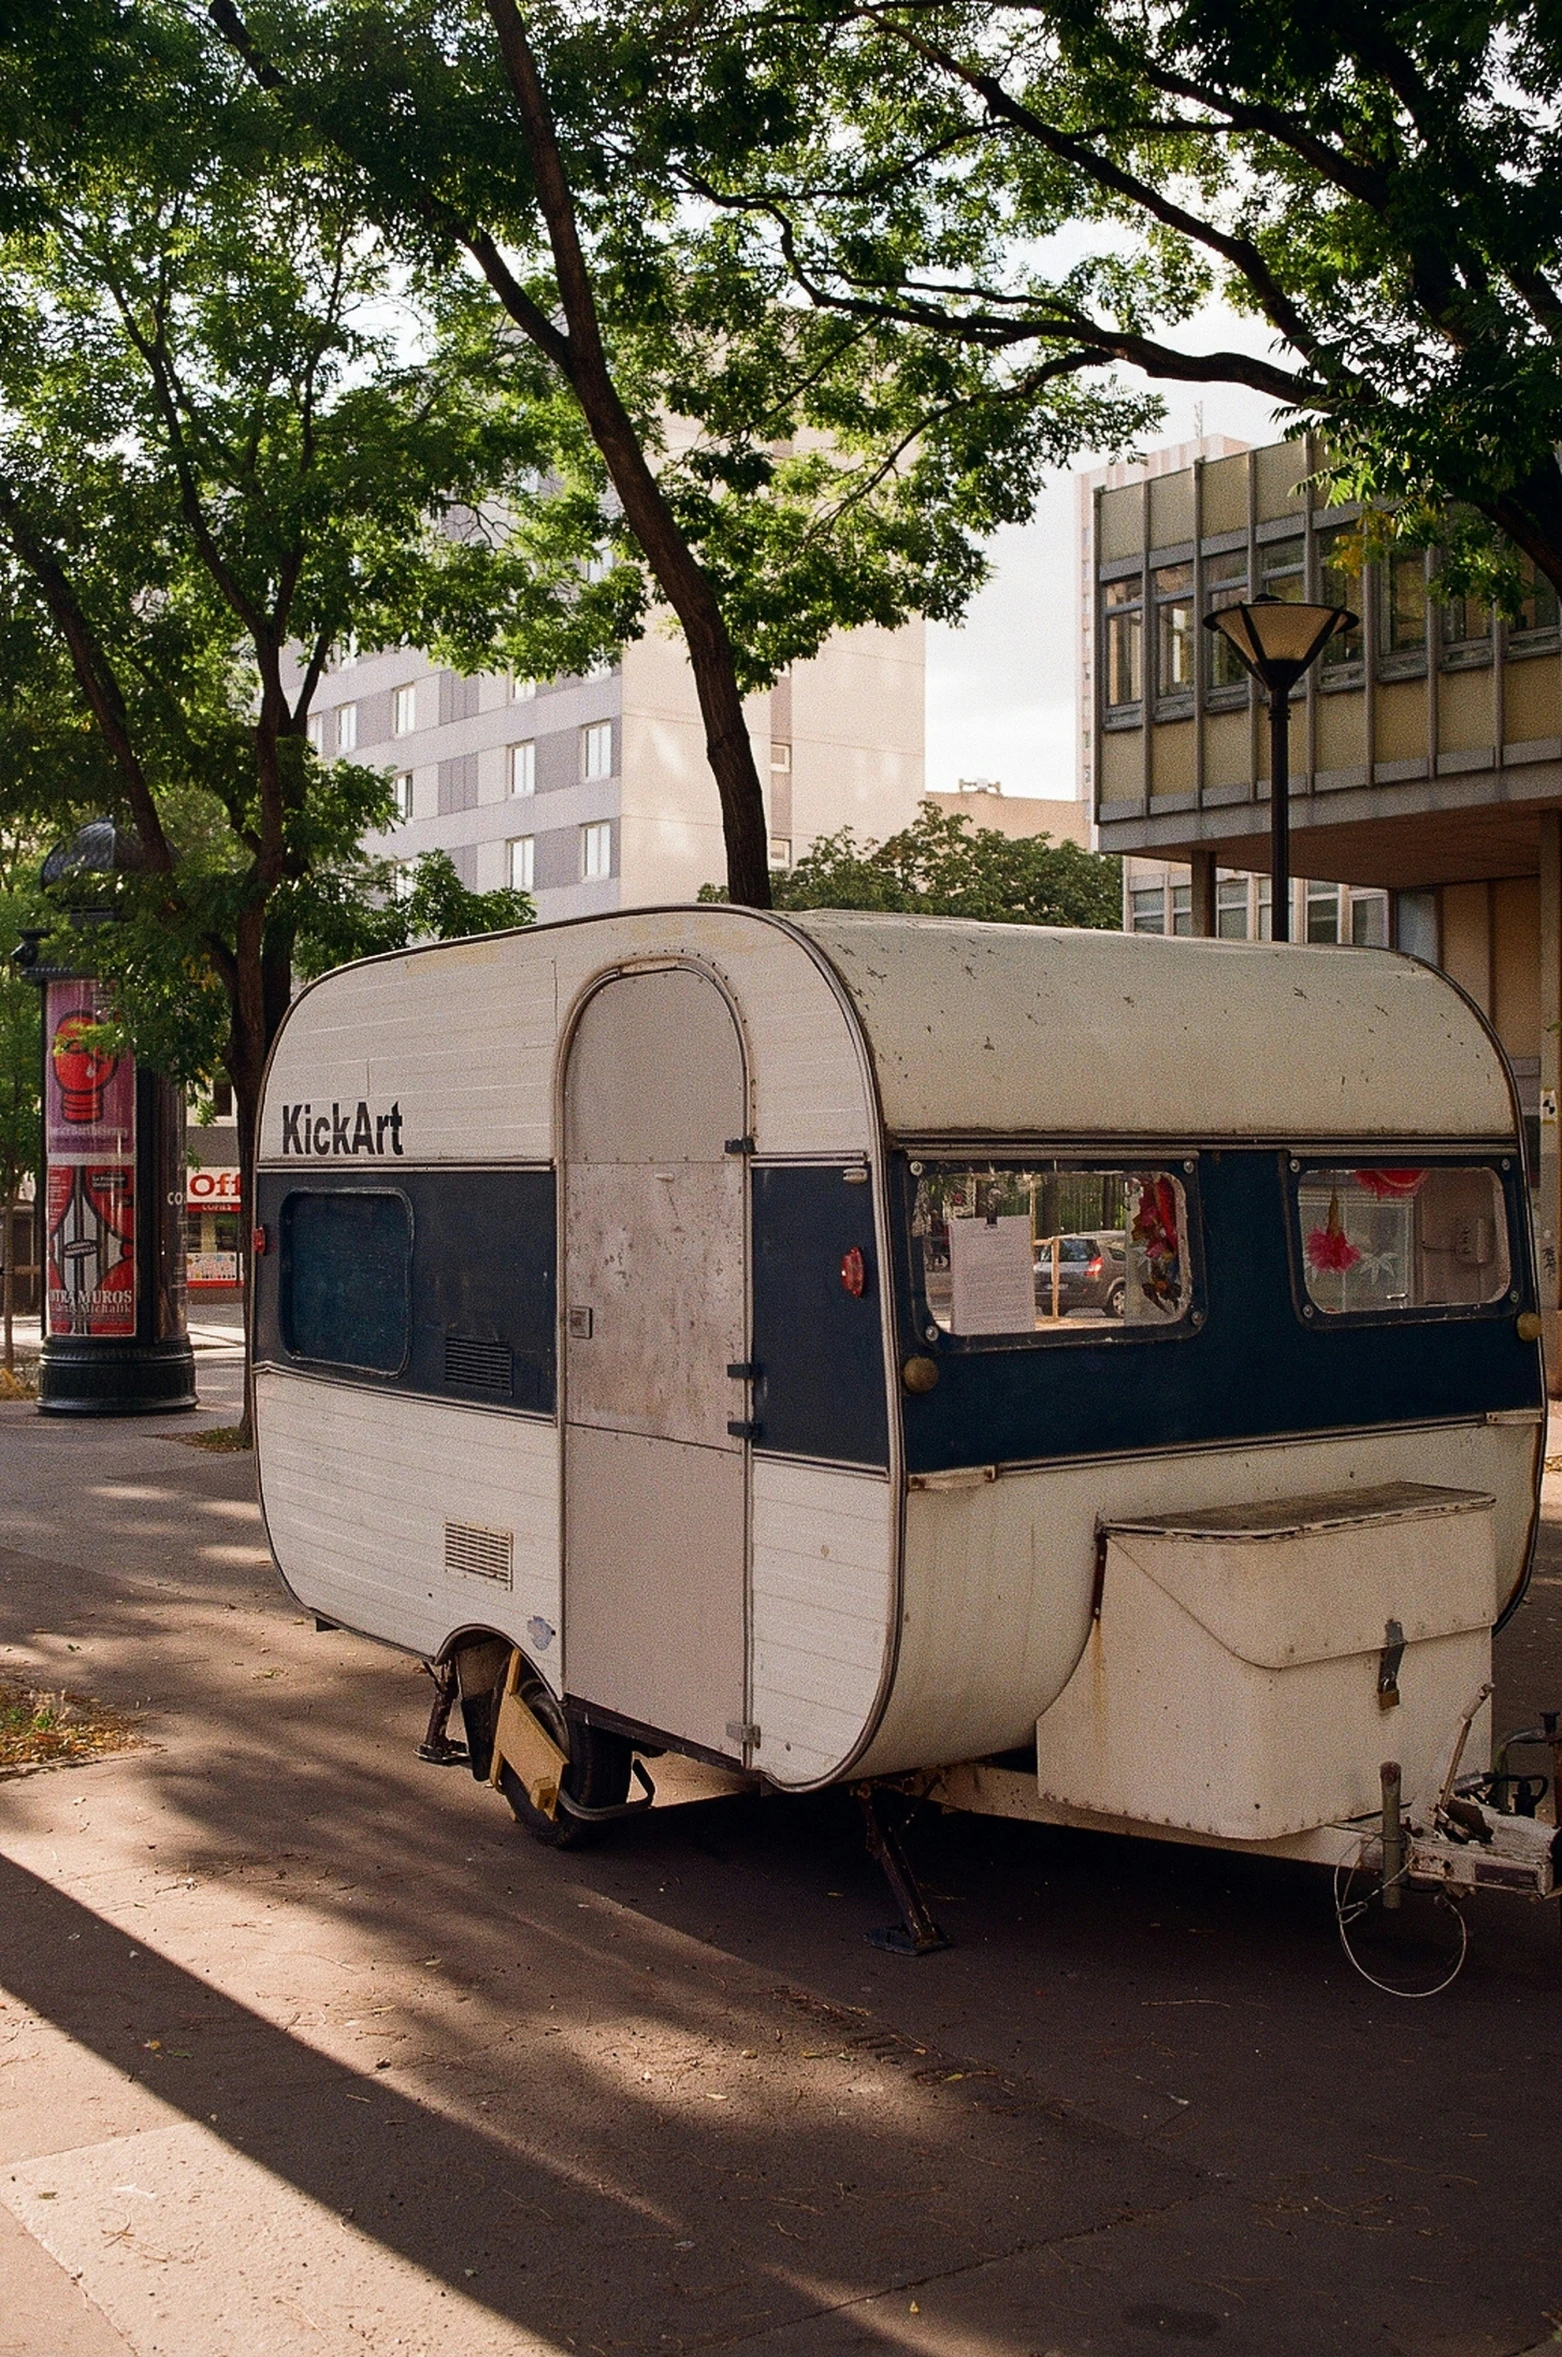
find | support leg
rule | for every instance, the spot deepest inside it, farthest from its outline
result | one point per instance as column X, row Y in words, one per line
column 917, row 1934
column 436, row 1746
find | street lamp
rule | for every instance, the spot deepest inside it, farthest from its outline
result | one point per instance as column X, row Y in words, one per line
column 1278, row 642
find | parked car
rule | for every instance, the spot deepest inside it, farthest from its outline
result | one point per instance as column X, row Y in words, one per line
column 1090, row 1273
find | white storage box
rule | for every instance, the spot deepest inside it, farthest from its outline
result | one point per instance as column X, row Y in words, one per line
column 1230, row 1681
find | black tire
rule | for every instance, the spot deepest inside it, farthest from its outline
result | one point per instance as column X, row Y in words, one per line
column 597, row 1775
column 1113, row 1304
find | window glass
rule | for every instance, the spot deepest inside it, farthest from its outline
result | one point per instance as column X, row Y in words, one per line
column 522, row 851
column 1147, row 908
column 1231, row 908
column 1182, row 908
column 1339, row 581
column 1539, row 609
column 1124, row 642
column 1323, row 912
column 1465, row 621
column 1050, row 1253
column 596, row 851
column 1174, row 630
column 1283, row 566
column 401, row 788
column 404, row 711
column 1390, row 1238
column 1405, row 601
column 523, row 768
column 1225, row 584
column 346, row 1278
column 1369, row 920
column 596, row 749
column 347, row 728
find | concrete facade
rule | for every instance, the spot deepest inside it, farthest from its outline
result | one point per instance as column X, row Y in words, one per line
column 614, row 805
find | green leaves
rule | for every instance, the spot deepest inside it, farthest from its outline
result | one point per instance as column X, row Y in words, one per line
column 944, row 866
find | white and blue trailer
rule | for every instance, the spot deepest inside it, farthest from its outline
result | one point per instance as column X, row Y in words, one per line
column 656, row 1321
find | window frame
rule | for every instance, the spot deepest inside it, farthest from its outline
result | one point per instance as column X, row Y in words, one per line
column 1299, row 1163
column 596, row 828
column 1122, row 613
column 347, row 728
column 285, row 1271
column 925, row 1333
column 528, row 845
column 522, row 760
column 592, row 732
column 404, row 709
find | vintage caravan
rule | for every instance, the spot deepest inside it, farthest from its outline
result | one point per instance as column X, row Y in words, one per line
column 661, row 1321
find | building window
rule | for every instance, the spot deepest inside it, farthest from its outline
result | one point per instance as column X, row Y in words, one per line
column 521, row 851
column 347, row 728
column 1173, row 586
column 1416, row 925
column 1323, row 912
column 404, row 711
column 1369, row 920
column 1147, row 908
column 1467, row 623
column 1404, row 603
column 596, row 750
column 401, row 789
column 314, row 730
column 1282, row 565
column 522, row 690
column 1339, row 582
column 1182, row 908
column 222, row 1100
column 1231, row 908
column 780, row 851
column 1225, row 584
column 1124, row 664
column 1539, row 608
column 780, row 757
column 596, row 850
column 1265, row 929
column 404, row 877
column 523, row 768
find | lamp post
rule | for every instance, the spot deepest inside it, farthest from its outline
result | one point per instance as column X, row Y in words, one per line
column 1279, row 642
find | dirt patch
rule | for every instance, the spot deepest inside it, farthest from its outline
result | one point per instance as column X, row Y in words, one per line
column 223, row 1440
column 46, row 1730
column 20, row 1381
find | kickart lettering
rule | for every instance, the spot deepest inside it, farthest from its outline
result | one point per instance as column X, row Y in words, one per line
column 350, row 1130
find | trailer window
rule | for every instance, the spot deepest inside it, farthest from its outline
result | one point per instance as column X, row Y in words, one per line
column 346, row 1278
column 1050, row 1254
column 1388, row 1238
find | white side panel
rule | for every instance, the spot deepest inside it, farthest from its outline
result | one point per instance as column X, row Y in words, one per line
column 357, row 1487
column 998, row 1577
column 822, row 1606
column 462, row 1037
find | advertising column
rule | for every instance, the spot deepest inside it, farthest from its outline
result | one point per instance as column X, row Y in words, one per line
column 115, row 1341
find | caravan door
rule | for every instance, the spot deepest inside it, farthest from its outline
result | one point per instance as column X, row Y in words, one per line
column 655, row 1300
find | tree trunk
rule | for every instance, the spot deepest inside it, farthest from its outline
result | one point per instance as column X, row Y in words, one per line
column 8, row 1283
column 580, row 358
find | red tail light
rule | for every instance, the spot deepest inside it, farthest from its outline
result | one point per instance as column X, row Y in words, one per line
column 1093, row 1267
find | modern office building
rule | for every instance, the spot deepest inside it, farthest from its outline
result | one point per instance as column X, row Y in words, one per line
column 1426, row 780
column 594, row 793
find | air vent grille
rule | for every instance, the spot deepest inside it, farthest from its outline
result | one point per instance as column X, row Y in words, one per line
column 478, row 1366
column 480, row 1554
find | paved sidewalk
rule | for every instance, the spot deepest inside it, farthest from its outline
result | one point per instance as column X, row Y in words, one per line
column 303, row 2047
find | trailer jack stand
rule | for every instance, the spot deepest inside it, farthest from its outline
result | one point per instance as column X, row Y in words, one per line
column 918, row 1934
column 436, row 1746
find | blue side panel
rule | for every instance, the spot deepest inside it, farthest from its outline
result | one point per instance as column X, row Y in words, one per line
column 819, row 1391
column 483, row 1300
column 1253, row 1369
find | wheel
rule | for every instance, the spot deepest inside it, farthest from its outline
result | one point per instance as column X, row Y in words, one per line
column 597, row 1775
column 1113, row 1304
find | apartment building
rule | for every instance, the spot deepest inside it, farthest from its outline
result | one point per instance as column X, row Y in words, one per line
column 594, row 794
column 1426, row 783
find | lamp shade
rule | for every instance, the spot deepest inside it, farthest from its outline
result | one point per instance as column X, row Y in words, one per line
column 1276, row 640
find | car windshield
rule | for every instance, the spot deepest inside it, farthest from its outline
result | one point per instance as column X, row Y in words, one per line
column 1018, row 1250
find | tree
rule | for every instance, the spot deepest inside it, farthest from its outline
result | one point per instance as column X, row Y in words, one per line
column 943, row 866
column 1071, row 180
column 778, row 474
column 221, row 454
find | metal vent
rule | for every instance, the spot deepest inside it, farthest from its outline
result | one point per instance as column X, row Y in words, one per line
column 480, row 1366
column 480, row 1554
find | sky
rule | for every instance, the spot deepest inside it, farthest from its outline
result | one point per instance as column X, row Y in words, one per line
column 1000, row 689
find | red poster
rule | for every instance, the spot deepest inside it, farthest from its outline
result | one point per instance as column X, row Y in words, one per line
column 90, row 1127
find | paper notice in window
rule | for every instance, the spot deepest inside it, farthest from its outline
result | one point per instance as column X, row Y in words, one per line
column 990, row 1276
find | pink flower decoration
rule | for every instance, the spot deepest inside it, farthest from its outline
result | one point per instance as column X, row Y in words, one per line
column 1389, row 1185
column 1331, row 1249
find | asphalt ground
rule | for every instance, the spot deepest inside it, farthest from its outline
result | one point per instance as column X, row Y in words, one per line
column 304, row 2047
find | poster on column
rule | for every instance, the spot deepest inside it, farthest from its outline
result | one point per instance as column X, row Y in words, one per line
column 90, row 1136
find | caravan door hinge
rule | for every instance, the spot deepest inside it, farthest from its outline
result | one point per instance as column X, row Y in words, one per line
column 743, row 1731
